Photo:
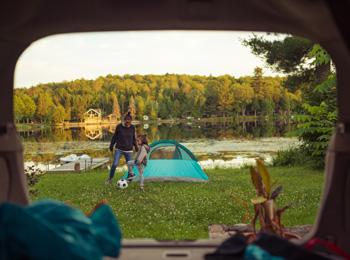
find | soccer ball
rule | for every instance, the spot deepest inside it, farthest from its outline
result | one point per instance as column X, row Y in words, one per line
column 122, row 184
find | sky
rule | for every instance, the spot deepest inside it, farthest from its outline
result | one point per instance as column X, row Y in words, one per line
column 91, row 55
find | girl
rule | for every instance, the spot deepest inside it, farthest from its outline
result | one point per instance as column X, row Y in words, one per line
column 140, row 160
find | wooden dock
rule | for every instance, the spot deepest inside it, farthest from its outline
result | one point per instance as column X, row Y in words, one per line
column 85, row 164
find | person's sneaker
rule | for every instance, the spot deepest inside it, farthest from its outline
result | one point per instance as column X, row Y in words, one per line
column 130, row 176
column 141, row 188
column 108, row 181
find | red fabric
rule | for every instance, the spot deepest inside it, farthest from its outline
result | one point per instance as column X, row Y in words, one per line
column 331, row 246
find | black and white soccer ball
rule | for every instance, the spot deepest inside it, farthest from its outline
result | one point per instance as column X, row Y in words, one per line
column 122, row 184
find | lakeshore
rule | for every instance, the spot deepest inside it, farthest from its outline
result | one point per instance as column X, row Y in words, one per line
column 22, row 127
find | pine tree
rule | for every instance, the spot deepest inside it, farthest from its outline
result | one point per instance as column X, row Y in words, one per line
column 177, row 109
column 79, row 108
column 122, row 101
column 163, row 111
column 153, row 114
column 68, row 109
column 132, row 107
column 258, row 83
column 255, row 105
column 140, row 109
column 285, row 102
column 116, row 109
column 267, row 106
column 289, row 55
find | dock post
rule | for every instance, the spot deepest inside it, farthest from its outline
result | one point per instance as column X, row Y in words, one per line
column 77, row 167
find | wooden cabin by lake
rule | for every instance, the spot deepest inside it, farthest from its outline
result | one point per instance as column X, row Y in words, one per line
column 93, row 116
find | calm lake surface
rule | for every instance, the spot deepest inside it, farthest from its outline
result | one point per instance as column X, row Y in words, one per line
column 223, row 144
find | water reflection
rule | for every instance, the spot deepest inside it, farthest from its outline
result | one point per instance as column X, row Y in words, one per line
column 93, row 132
column 217, row 141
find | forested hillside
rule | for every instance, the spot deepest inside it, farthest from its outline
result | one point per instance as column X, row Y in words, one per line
column 158, row 96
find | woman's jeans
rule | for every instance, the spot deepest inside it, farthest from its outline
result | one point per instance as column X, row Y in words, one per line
column 117, row 155
column 140, row 169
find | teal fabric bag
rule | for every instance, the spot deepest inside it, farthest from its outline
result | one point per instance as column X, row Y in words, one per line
column 49, row 229
column 254, row 252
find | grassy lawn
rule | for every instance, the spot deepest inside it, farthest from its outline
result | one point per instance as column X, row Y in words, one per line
column 175, row 210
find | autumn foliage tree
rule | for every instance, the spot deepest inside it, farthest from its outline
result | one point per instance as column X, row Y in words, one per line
column 116, row 109
column 29, row 107
column 243, row 95
column 18, row 108
column 153, row 95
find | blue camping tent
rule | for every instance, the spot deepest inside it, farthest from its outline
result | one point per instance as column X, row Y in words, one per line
column 171, row 161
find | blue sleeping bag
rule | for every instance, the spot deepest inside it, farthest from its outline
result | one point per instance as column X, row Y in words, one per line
column 49, row 229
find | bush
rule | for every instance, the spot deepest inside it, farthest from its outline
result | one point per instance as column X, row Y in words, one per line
column 32, row 174
column 292, row 156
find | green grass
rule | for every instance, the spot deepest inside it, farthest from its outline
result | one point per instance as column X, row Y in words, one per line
column 176, row 210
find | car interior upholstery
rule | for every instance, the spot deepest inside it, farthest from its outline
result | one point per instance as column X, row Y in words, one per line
column 323, row 21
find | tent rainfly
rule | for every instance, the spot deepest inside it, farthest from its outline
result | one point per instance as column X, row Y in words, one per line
column 171, row 161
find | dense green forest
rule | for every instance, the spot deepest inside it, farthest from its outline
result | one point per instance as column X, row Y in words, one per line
column 158, row 96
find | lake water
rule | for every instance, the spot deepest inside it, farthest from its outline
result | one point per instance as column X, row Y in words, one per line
column 226, row 144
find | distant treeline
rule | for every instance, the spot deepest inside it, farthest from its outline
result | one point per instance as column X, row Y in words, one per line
column 158, row 96
column 50, row 143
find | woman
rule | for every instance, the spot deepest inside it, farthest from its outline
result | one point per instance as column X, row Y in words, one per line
column 123, row 139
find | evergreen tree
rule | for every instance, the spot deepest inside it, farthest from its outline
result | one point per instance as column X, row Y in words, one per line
column 116, row 109
column 68, row 109
column 195, row 113
column 141, row 108
column 177, row 109
column 267, row 106
column 255, row 105
column 153, row 114
column 163, row 111
column 132, row 107
column 258, row 83
column 79, row 108
column 290, row 56
column 169, row 106
column 122, row 99
column 285, row 102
